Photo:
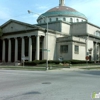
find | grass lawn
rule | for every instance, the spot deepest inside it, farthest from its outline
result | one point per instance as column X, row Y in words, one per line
column 89, row 68
column 23, row 68
column 39, row 67
column 73, row 65
column 42, row 67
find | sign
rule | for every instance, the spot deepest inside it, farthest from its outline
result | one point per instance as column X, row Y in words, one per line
column 23, row 57
column 46, row 50
column 87, row 57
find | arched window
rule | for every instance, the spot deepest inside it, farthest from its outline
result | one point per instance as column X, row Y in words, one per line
column 82, row 20
column 64, row 19
column 56, row 19
column 77, row 20
column 71, row 20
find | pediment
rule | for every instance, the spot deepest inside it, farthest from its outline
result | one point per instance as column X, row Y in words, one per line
column 15, row 26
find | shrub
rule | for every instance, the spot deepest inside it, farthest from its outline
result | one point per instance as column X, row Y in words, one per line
column 36, row 62
column 29, row 63
column 56, row 61
column 77, row 62
column 80, row 62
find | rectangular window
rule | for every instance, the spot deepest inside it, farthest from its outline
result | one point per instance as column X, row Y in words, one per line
column 64, row 49
column 76, row 49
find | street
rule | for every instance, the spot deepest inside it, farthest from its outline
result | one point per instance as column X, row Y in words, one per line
column 48, row 85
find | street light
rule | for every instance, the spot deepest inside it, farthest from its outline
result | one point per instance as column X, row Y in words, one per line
column 46, row 35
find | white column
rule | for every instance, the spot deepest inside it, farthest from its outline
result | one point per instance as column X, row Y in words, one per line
column 16, row 50
column 95, row 51
column 3, row 51
column 30, row 49
column 37, row 47
column 99, row 51
column 23, row 48
column 87, row 38
column 44, row 53
column 9, row 50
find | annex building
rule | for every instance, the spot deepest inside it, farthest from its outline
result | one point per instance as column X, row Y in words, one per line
column 61, row 32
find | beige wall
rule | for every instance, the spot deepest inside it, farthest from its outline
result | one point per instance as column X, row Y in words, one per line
column 52, row 54
column 71, row 54
column 65, row 28
column 66, row 56
column 90, row 45
column 58, row 26
column 54, row 26
column 51, row 46
column 82, row 51
column 78, row 28
column 91, row 29
column 13, row 27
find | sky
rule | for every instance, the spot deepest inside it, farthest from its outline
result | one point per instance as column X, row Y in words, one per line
column 18, row 9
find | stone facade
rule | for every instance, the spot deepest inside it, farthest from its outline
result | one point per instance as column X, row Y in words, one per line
column 69, row 40
column 20, row 39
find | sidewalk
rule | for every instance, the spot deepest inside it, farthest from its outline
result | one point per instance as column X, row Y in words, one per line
column 81, row 68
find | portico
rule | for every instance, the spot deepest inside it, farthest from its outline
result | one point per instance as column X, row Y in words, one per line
column 33, row 52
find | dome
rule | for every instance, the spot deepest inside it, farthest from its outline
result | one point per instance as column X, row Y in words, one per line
column 63, row 11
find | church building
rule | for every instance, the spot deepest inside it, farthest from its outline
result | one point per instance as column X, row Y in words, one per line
column 60, row 32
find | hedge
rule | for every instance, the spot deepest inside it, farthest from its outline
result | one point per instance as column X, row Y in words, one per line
column 36, row 62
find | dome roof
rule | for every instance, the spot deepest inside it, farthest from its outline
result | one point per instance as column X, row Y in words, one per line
column 62, row 11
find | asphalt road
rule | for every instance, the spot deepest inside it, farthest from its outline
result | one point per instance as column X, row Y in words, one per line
column 48, row 85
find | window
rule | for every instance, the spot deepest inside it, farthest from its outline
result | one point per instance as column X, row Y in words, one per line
column 50, row 19
column 97, row 33
column 76, row 49
column 82, row 20
column 64, row 19
column 71, row 20
column 77, row 20
column 64, row 49
column 56, row 19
